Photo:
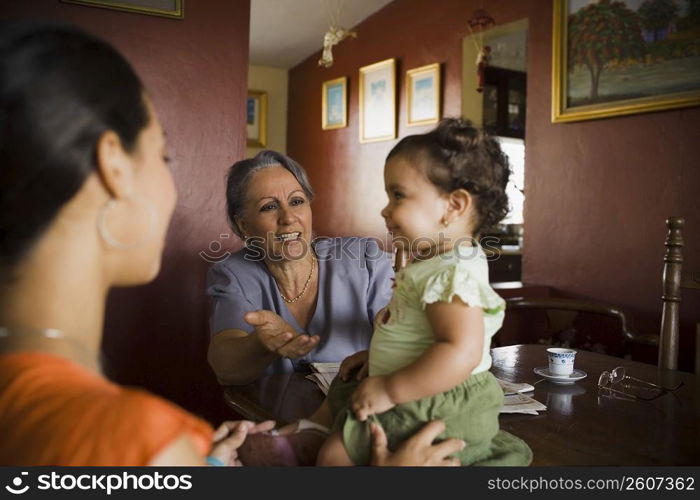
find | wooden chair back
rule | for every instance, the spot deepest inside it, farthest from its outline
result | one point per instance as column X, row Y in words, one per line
column 562, row 316
column 674, row 279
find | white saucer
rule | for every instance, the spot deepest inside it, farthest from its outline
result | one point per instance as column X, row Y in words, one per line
column 577, row 375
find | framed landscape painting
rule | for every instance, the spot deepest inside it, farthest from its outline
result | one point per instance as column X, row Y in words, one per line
column 423, row 94
column 256, row 119
column 334, row 111
column 378, row 101
column 622, row 57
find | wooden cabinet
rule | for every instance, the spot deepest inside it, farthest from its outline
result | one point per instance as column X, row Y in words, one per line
column 505, row 102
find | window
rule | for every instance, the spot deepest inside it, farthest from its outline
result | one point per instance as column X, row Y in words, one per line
column 515, row 149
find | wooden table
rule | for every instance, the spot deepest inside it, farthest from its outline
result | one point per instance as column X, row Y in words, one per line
column 579, row 427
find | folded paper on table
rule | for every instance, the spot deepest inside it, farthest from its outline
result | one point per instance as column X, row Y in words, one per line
column 520, row 403
column 513, row 399
column 323, row 374
column 513, row 388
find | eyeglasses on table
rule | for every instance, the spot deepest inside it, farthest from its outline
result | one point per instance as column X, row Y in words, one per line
column 616, row 379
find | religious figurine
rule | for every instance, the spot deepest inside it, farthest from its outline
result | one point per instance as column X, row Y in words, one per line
column 482, row 61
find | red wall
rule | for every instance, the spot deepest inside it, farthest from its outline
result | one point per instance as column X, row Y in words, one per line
column 597, row 192
column 196, row 72
column 598, row 196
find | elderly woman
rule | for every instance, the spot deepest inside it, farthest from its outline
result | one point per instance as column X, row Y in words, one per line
column 286, row 300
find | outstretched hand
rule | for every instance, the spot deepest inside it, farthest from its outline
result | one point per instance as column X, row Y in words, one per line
column 278, row 336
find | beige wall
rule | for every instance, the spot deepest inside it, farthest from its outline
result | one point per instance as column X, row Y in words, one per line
column 274, row 82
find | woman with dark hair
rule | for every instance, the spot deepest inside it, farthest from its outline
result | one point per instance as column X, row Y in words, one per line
column 85, row 201
column 286, row 299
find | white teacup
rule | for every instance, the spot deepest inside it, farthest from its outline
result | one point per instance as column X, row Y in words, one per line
column 561, row 361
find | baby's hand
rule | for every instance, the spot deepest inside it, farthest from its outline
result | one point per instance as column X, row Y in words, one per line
column 371, row 398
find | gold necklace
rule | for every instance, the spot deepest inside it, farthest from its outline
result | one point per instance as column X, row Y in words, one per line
column 306, row 285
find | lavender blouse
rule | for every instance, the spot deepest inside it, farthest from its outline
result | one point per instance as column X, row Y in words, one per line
column 354, row 284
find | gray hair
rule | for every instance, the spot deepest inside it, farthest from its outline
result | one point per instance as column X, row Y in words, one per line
column 242, row 171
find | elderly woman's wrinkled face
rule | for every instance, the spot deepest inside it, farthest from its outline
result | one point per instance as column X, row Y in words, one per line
column 277, row 214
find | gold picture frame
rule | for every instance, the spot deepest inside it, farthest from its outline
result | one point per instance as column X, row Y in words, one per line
column 256, row 119
column 334, row 107
column 636, row 72
column 174, row 9
column 378, row 101
column 423, row 95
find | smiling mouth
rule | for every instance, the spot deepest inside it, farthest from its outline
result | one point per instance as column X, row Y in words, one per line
column 288, row 237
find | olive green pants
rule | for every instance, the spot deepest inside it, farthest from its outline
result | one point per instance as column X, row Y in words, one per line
column 470, row 412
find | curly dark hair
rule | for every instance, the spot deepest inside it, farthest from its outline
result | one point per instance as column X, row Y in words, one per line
column 456, row 155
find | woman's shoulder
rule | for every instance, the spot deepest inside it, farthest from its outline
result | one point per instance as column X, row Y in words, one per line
column 351, row 249
column 99, row 423
column 235, row 270
column 162, row 421
column 242, row 260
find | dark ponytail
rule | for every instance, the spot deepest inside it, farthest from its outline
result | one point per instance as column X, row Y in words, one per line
column 60, row 90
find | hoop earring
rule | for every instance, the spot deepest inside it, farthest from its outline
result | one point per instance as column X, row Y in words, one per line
column 111, row 240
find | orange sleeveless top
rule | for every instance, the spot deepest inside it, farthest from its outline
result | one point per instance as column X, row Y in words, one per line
column 54, row 412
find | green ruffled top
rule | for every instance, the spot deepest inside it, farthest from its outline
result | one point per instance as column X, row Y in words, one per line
column 402, row 331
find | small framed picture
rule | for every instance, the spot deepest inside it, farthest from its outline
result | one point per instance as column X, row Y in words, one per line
column 164, row 8
column 378, row 101
column 334, row 108
column 256, row 119
column 423, row 94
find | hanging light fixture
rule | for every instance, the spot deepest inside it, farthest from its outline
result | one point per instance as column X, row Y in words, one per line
column 334, row 35
column 481, row 20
